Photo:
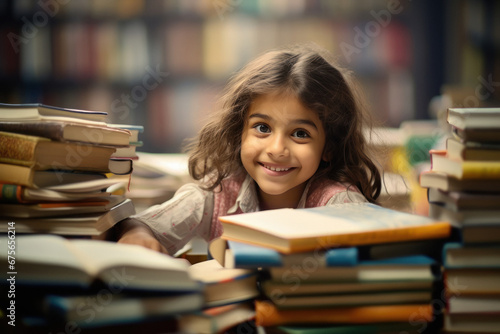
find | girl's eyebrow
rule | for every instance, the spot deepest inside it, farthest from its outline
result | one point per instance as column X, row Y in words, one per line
column 296, row 121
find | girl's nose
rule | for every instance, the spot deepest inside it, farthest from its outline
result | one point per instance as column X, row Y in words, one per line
column 277, row 146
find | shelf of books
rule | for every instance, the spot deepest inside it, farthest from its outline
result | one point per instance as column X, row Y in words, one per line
column 463, row 186
column 161, row 64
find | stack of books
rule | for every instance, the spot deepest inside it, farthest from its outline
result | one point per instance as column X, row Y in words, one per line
column 63, row 171
column 87, row 285
column 228, row 299
column 464, row 188
column 472, row 287
column 349, row 265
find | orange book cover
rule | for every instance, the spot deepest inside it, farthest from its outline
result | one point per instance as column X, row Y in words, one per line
column 268, row 315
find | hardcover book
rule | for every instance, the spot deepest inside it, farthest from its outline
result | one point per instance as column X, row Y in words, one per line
column 233, row 254
column 462, row 200
column 70, row 131
column 458, row 255
column 222, row 286
column 43, row 154
column 460, row 150
column 463, row 169
column 351, row 224
column 464, row 118
column 446, row 182
column 39, row 111
column 268, row 315
column 27, row 176
column 86, row 224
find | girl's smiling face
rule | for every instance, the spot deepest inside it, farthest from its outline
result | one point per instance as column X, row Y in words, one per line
column 281, row 148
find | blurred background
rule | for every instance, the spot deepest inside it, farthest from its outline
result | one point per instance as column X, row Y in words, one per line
column 162, row 63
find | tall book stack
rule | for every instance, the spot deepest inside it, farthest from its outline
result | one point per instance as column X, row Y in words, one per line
column 63, row 171
column 464, row 188
column 351, row 267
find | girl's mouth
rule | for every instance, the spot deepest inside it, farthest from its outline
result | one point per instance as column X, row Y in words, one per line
column 276, row 169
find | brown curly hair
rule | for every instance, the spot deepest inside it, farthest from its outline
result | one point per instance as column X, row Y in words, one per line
column 321, row 85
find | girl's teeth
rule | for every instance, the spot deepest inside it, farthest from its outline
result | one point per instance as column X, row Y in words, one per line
column 277, row 169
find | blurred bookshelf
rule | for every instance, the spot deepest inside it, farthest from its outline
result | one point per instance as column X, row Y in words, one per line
column 161, row 64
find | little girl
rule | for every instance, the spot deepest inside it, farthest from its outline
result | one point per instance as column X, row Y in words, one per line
column 288, row 133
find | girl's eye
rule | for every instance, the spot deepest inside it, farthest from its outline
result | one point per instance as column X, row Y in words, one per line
column 301, row 134
column 262, row 128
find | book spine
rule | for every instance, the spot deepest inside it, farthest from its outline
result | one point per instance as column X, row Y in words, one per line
column 481, row 170
column 342, row 257
column 11, row 193
column 49, row 130
column 17, row 149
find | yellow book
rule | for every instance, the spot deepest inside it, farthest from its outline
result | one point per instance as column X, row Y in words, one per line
column 463, row 169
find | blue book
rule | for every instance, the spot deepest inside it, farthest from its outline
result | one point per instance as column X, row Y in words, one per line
column 89, row 311
column 233, row 254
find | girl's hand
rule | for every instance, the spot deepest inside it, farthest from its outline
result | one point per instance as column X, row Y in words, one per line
column 136, row 233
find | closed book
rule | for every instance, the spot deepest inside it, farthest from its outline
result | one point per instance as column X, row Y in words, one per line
column 70, row 131
column 284, row 290
column 483, row 135
column 134, row 130
column 446, row 182
column 268, row 315
column 465, row 217
column 464, row 118
column 462, row 169
column 472, row 281
column 458, row 255
column 120, row 166
column 43, row 154
column 58, row 209
column 461, row 200
column 38, row 112
column 460, row 150
column 480, row 234
column 370, row 328
column 409, row 268
column 119, row 308
column 224, row 286
column 472, row 323
column 350, row 299
column 27, row 176
column 52, row 260
column 475, row 304
column 233, row 254
column 13, row 193
column 351, row 224
column 217, row 319
column 85, row 224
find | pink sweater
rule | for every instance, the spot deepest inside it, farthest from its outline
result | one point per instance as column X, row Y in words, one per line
column 319, row 194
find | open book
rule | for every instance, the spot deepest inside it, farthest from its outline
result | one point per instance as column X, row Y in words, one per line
column 50, row 260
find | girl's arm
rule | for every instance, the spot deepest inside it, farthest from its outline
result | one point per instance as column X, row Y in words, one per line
column 132, row 231
column 167, row 227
